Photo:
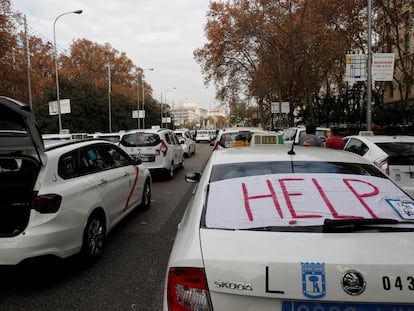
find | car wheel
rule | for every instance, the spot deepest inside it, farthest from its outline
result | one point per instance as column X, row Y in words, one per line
column 146, row 196
column 182, row 163
column 93, row 238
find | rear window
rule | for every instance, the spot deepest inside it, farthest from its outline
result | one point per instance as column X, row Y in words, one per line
column 397, row 148
column 234, row 170
column 303, row 197
column 237, row 139
column 140, row 139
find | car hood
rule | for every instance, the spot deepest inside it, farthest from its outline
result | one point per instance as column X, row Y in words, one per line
column 280, row 265
column 19, row 133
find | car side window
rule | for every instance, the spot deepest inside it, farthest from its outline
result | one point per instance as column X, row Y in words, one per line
column 356, row 146
column 175, row 139
column 93, row 159
column 118, row 157
column 167, row 138
column 68, row 166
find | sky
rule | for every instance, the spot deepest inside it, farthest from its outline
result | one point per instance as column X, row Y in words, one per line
column 158, row 34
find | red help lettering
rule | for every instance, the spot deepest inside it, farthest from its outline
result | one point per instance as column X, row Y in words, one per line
column 362, row 196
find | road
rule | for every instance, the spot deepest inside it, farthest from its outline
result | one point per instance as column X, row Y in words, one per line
column 129, row 276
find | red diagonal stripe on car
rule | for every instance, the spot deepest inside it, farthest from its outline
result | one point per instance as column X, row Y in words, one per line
column 132, row 189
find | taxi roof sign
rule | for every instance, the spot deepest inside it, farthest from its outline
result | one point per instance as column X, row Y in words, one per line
column 260, row 139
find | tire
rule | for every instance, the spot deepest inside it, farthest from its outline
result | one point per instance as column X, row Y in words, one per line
column 146, row 196
column 182, row 163
column 93, row 238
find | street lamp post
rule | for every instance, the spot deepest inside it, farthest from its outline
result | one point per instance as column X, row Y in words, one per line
column 165, row 99
column 56, row 66
column 143, row 96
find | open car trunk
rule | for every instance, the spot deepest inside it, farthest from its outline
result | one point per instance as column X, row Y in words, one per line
column 17, row 179
column 21, row 157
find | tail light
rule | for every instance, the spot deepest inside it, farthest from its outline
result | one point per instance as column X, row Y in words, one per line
column 383, row 165
column 163, row 148
column 187, row 290
column 47, row 203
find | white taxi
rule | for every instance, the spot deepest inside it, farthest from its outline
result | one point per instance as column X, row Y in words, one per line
column 158, row 148
column 276, row 228
column 392, row 154
column 63, row 199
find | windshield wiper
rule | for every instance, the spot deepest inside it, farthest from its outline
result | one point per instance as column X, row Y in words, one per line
column 366, row 224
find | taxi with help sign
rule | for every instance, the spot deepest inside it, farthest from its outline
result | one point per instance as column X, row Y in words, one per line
column 282, row 228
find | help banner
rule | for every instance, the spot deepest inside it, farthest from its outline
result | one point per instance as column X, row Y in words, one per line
column 303, row 200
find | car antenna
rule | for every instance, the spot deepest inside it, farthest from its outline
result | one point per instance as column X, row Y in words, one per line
column 291, row 151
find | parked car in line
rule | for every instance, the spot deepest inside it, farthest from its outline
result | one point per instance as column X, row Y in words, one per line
column 186, row 141
column 292, row 134
column 392, row 154
column 159, row 149
column 63, row 199
column 274, row 229
column 114, row 137
column 203, row 136
column 235, row 137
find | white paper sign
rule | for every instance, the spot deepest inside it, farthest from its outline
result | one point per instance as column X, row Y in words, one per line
column 382, row 66
column 302, row 200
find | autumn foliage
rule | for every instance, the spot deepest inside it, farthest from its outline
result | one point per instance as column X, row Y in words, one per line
column 279, row 50
column 83, row 78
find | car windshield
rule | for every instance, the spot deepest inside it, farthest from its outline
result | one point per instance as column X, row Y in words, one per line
column 140, row 139
column 304, row 196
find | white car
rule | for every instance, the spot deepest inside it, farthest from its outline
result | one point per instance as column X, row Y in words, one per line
column 235, row 137
column 275, row 229
column 393, row 154
column 203, row 136
column 114, row 137
column 186, row 141
column 63, row 199
column 159, row 149
column 292, row 134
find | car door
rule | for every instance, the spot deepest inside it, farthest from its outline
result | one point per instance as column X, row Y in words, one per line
column 175, row 147
column 113, row 181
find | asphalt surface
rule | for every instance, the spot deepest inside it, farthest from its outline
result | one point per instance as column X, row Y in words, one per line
column 130, row 274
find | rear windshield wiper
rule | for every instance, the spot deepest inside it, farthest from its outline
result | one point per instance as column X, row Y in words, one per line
column 366, row 224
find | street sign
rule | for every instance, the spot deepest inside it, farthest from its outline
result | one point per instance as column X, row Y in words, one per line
column 382, row 66
column 64, row 107
column 355, row 67
column 140, row 114
column 276, row 107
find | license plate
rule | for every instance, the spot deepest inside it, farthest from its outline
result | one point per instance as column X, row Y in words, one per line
column 147, row 158
column 337, row 306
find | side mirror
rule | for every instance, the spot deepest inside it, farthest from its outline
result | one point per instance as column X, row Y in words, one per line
column 137, row 160
column 192, row 176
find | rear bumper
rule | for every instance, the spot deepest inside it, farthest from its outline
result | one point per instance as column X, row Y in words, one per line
column 48, row 240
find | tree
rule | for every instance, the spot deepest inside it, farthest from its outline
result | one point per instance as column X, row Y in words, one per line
column 395, row 24
column 278, row 49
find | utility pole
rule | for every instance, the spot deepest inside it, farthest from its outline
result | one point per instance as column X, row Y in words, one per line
column 29, row 84
column 369, row 68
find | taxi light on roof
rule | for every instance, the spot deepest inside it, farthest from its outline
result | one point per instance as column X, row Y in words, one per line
column 366, row 133
column 266, row 139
